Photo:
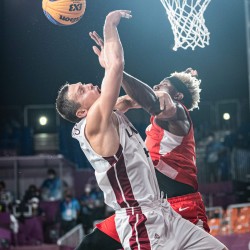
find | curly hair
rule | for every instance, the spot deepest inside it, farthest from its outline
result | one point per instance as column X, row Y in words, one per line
column 65, row 107
column 189, row 85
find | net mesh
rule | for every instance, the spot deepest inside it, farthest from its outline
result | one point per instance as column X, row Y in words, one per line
column 187, row 22
column 73, row 238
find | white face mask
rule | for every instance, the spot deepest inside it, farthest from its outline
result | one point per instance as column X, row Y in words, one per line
column 35, row 205
column 210, row 139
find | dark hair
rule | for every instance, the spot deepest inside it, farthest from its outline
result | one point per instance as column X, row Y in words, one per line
column 211, row 134
column 51, row 171
column 2, row 183
column 65, row 107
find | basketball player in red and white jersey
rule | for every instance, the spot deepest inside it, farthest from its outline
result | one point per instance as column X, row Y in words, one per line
column 170, row 141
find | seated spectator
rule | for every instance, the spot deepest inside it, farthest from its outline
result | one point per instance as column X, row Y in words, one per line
column 6, row 197
column 32, row 192
column 51, row 188
column 21, row 210
column 37, row 211
column 30, row 222
column 69, row 212
column 224, row 164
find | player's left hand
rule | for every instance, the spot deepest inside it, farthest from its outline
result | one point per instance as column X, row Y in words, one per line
column 98, row 51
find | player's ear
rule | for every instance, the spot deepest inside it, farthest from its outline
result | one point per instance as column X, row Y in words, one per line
column 178, row 96
column 81, row 113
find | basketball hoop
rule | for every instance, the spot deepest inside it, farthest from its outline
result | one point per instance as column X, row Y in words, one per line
column 187, row 22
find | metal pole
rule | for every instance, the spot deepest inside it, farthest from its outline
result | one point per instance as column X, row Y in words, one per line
column 17, row 192
column 247, row 21
column 61, row 176
column 25, row 117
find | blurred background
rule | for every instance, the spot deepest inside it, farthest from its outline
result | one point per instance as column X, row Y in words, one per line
column 39, row 57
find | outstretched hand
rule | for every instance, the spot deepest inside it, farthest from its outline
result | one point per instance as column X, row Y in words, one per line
column 98, row 50
column 191, row 71
column 114, row 17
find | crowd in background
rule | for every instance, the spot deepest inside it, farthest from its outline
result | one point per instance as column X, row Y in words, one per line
column 31, row 225
column 17, row 140
column 29, row 221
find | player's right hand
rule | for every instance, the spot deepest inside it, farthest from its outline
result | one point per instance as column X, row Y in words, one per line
column 114, row 17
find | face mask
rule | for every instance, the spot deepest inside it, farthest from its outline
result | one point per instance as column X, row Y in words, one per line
column 35, row 205
column 51, row 176
column 91, row 205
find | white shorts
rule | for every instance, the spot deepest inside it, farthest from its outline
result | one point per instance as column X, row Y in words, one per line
column 161, row 228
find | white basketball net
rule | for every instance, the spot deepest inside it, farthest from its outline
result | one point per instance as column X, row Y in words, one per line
column 187, row 22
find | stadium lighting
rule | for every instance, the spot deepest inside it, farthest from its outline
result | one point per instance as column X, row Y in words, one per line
column 226, row 116
column 43, row 120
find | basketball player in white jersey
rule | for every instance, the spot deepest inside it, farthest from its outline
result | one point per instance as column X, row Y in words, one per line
column 123, row 169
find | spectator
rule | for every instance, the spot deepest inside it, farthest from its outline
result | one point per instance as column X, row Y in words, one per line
column 86, row 215
column 36, row 209
column 32, row 192
column 6, row 197
column 69, row 212
column 51, row 188
column 213, row 149
column 30, row 222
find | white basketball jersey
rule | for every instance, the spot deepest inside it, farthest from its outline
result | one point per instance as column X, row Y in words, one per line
column 127, row 179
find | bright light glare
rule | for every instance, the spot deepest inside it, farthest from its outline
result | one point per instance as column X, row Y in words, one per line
column 226, row 116
column 43, row 120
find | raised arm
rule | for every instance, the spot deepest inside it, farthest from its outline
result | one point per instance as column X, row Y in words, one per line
column 113, row 62
column 136, row 89
column 101, row 126
column 141, row 93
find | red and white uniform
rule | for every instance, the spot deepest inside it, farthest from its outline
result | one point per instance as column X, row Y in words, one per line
column 173, row 155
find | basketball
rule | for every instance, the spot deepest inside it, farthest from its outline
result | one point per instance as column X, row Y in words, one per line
column 64, row 12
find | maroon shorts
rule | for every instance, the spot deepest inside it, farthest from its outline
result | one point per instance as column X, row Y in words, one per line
column 189, row 206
